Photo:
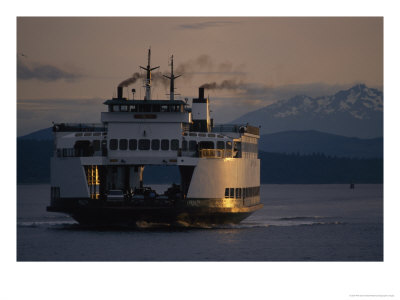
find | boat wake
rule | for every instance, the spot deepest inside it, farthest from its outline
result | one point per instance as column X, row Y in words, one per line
column 48, row 224
column 143, row 225
column 286, row 221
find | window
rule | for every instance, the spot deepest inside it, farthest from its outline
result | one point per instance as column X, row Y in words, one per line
column 192, row 134
column 113, row 144
column 231, row 193
column 211, row 134
column 96, row 145
column 144, row 144
column 220, row 145
column 174, row 145
column 238, row 193
column 202, row 134
column 123, row 144
column 192, row 145
column 206, row 145
column 155, row 144
column 132, row 144
column 227, row 193
column 228, row 145
column 164, row 144
column 184, row 145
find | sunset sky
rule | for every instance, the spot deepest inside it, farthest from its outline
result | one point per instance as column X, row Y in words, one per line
column 67, row 67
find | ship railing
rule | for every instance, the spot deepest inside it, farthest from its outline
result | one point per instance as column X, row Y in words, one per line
column 79, row 127
column 242, row 128
column 214, row 153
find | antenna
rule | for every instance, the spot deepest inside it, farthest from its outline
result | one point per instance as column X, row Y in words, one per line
column 148, row 77
column 172, row 77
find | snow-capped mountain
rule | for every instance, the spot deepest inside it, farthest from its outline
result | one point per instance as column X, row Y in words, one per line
column 357, row 111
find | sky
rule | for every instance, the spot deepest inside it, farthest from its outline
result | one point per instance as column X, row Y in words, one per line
column 68, row 66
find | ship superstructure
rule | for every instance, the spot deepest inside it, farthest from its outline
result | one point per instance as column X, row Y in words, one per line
column 97, row 169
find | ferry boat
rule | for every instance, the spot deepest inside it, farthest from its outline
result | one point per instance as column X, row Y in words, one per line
column 97, row 169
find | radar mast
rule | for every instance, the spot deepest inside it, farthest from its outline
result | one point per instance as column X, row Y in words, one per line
column 148, row 77
column 172, row 77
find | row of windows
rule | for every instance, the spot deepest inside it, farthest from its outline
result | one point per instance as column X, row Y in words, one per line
column 201, row 134
column 238, row 193
column 194, row 145
column 90, row 133
column 164, row 144
column 144, row 144
column 146, row 108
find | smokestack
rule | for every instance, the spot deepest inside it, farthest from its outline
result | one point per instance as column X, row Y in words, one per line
column 119, row 92
column 201, row 93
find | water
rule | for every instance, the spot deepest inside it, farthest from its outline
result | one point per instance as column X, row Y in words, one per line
column 297, row 223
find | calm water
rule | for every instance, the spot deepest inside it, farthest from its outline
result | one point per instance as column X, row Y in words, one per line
column 297, row 223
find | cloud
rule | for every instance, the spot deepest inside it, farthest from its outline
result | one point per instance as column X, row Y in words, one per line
column 203, row 25
column 43, row 72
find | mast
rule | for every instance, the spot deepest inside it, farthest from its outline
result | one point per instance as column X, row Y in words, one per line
column 172, row 77
column 148, row 77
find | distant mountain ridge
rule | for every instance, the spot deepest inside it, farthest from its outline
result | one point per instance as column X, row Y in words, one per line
column 45, row 134
column 311, row 141
column 356, row 112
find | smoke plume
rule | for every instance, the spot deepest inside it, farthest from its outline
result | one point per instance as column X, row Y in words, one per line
column 130, row 80
column 229, row 84
column 203, row 64
column 156, row 78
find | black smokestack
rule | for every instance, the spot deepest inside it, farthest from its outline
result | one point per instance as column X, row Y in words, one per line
column 119, row 92
column 201, row 92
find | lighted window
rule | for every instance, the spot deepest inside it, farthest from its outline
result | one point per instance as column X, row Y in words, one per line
column 238, row 193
